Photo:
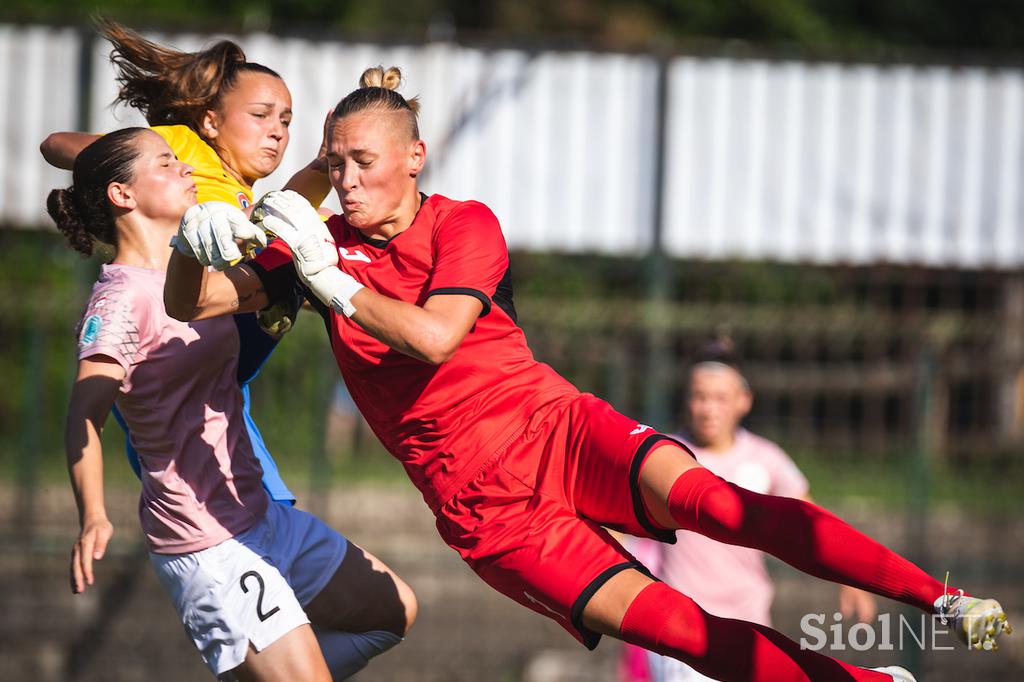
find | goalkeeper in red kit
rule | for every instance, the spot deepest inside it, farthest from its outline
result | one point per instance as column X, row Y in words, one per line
column 522, row 470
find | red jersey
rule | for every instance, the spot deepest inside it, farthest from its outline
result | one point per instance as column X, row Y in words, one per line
column 442, row 422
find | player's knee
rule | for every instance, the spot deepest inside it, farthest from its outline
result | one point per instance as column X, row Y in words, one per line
column 410, row 606
column 346, row 653
column 288, row 665
column 318, row 673
column 722, row 507
column 394, row 608
column 665, row 621
column 703, row 502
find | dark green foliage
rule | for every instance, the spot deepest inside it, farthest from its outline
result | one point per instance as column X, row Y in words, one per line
column 874, row 28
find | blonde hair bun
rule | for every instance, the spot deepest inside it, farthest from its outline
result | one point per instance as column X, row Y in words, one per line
column 379, row 77
column 378, row 90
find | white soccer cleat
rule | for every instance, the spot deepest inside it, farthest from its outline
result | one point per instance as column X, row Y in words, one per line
column 978, row 623
column 897, row 673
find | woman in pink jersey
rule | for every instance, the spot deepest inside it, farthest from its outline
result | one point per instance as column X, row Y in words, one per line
column 521, row 469
column 726, row 580
column 247, row 576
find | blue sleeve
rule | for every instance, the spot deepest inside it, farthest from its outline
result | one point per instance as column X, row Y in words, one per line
column 255, row 347
column 272, row 480
column 129, row 449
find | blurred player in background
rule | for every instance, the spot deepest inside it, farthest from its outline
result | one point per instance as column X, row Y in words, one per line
column 726, row 580
column 520, row 468
column 228, row 118
column 246, row 576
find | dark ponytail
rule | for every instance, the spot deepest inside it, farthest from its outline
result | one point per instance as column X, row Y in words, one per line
column 82, row 212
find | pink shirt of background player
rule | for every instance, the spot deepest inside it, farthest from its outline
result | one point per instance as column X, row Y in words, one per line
column 726, row 580
column 201, row 482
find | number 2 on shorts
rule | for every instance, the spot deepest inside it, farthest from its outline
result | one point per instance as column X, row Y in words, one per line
column 259, row 599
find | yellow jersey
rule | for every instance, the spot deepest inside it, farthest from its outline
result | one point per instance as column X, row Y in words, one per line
column 213, row 183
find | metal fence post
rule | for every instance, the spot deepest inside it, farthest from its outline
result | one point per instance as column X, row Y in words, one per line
column 659, row 277
column 918, row 471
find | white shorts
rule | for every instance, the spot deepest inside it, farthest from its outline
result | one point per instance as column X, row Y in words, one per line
column 252, row 587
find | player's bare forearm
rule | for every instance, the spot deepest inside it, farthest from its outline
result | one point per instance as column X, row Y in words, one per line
column 61, row 149
column 402, row 326
column 853, row 601
column 431, row 333
column 92, row 398
column 311, row 182
column 183, row 288
column 194, row 292
column 85, row 467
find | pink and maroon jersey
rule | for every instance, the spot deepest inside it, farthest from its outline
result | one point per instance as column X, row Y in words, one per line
column 442, row 422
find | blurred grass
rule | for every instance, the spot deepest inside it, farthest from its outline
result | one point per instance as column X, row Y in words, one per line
column 987, row 485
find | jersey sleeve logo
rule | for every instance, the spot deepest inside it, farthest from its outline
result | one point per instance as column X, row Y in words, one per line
column 354, row 254
column 243, row 200
column 113, row 327
column 90, row 330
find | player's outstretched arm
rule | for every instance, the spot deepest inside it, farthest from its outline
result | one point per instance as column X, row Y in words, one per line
column 212, row 234
column 61, row 149
column 311, row 181
column 194, row 292
column 92, row 396
column 431, row 333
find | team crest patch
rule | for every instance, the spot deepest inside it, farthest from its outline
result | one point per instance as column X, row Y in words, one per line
column 243, row 200
column 90, row 329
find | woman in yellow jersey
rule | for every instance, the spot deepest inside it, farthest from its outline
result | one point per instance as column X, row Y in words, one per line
column 228, row 118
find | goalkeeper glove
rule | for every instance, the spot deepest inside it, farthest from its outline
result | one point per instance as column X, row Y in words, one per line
column 289, row 217
column 210, row 232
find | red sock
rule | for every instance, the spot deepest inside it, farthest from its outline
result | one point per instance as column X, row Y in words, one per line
column 671, row 624
column 801, row 534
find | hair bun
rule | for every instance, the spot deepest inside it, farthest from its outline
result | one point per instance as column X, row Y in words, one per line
column 379, row 77
column 61, row 206
column 720, row 348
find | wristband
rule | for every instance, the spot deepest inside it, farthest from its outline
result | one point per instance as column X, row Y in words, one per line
column 336, row 289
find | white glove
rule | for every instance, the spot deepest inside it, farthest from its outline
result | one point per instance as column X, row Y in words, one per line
column 289, row 217
column 210, row 232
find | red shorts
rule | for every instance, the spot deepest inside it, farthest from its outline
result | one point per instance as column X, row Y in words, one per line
column 530, row 522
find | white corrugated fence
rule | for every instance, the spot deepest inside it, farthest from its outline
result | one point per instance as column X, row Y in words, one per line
column 768, row 160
